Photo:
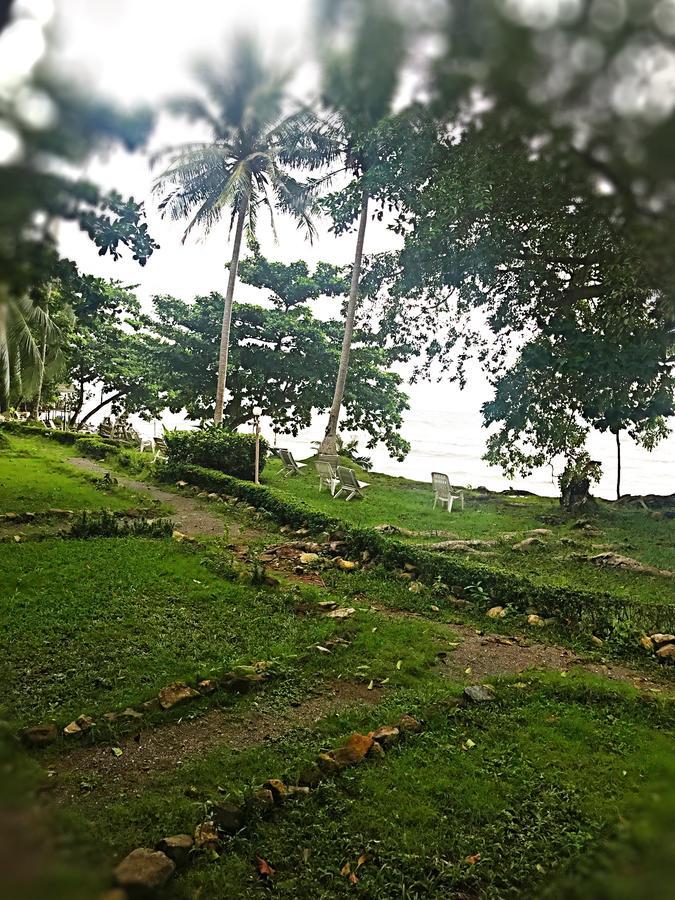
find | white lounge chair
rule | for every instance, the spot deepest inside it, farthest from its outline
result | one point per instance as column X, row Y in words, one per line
column 290, row 466
column 159, row 450
column 327, row 476
column 349, row 484
column 147, row 443
column 442, row 491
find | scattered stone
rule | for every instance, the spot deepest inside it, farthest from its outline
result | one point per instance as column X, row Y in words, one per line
column 151, row 705
column 296, row 791
column 405, row 576
column 309, row 559
column 207, row 686
column 647, row 642
column 278, row 789
column 597, row 641
column 206, row 836
column 60, row 513
column 458, row 602
column 416, row 587
column 376, row 752
column 181, row 484
column 342, row 612
column 144, row 869
column 311, row 776
column 659, row 639
column 228, row 818
column 177, row 847
column 261, row 802
column 666, row 652
column 409, row 725
column 213, row 496
column 410, row 567
column 81, row 725
column 535, row 620
column 325, row 605
column 327, row 764
column 540, row 532
column 616, row 561
column 387, row 736
column 354, row 750
column 178, row 536
column 496, row 612
column 130, row 713
column 202, row 494
column 39, row 735
column 462, row 546
column 529, row 544
column 345, row 564
column 478, row 693
column 174, row 693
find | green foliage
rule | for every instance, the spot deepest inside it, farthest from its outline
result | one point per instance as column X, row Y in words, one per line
column 94, row 447
column 215, row 447
column 106, row 524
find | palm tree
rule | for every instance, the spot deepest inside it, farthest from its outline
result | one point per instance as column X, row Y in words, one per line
column 359, row 83
column 244, row 165
column 21, row 364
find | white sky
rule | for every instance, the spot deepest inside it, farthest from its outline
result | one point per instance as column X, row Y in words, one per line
column 140, row 51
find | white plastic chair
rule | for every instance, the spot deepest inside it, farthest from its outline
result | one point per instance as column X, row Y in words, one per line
column 349, row 484
column 147, row 443
column 290, row 466
column 327, row 476
column 442, row 495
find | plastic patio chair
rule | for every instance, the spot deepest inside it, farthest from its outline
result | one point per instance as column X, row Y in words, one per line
column 442, row 491
column 327, row 476
column 349, row 484
column 290, row 466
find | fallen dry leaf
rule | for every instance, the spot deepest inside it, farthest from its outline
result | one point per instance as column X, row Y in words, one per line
column 361, row 860
column 353, row 878
column 473, row 859
column 345, row 870
column 265, row 870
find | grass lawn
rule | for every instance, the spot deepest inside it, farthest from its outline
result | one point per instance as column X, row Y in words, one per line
column 35, row 476
column 408, row 504
column 561, row 787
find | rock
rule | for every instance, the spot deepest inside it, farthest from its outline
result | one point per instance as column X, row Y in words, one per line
column 309, row 559
column 278, row 789
column 496, row 612
column 178, row 536
column 410, row 567
column 174, row 693
column 478, row 693
column 342, row 612
column 144, row 869
column 311, row 776
column 647, row 643
column 213, row 496
column 458, row 602
column 207, row 686
column 616, row 561
column 346, row 565
column 540, row 532
column 404, row 576
column 177, row 847
column 228, row 818
column 261, row 802
column 181, row 484
column 81, row 725
column 597, row 641
column 327, row 764
column 409, row 725
column 376, row 752
column 529, row 544
column 667, row 651
column 206, row 836
column 416, row 587
column 39, row 735
column 535, row 620
column 326, row 605
column 386, row 736
column 354, row 750
column 659, row 639
column 60, row 513
column 151, row 705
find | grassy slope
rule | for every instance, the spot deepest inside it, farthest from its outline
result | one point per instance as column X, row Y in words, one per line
column 94, row 625
column 35, row 476
column 408, row 504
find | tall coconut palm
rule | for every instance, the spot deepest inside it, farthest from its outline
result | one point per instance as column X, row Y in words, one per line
column 242, row 167
column 22, row 364
column 359, row 83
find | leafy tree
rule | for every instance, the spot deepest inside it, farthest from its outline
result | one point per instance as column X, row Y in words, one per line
column 359, row 79
column 242, row 168
column 283, row 358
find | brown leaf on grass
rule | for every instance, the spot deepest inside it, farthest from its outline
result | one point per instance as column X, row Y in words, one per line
column 473, row 859
column 345, row 870
column 361, row 860
column 353, row 878
column 265, row 870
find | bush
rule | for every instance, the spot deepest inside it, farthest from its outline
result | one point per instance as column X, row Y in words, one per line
column 216, row 448
column 61, row 437
column 107, row 524
column 94, row 447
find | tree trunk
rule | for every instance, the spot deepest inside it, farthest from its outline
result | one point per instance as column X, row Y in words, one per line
column 103, row 403
column 227, row 315
column 328, row 446
column 618, row 463
column 35, row 413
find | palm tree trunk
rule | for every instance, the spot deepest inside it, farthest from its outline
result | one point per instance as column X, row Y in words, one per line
column 328, row 448
column 35, row 413
column 227, row 315
column 618, row 464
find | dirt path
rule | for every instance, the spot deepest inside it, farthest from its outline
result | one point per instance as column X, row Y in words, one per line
column 191, row 516
column 164, row 747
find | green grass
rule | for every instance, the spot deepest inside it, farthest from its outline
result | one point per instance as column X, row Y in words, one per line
column 408, row 504
column 35, row 476
column 519, row 798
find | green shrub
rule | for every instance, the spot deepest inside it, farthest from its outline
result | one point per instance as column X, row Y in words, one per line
column 61, row 437
column 107, row 524
column 94, row 447
column 216, row 448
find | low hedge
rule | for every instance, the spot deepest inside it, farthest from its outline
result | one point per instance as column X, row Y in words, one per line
column 602, row 613
column 95, row 447
column 214, row 447
column 61, row 437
